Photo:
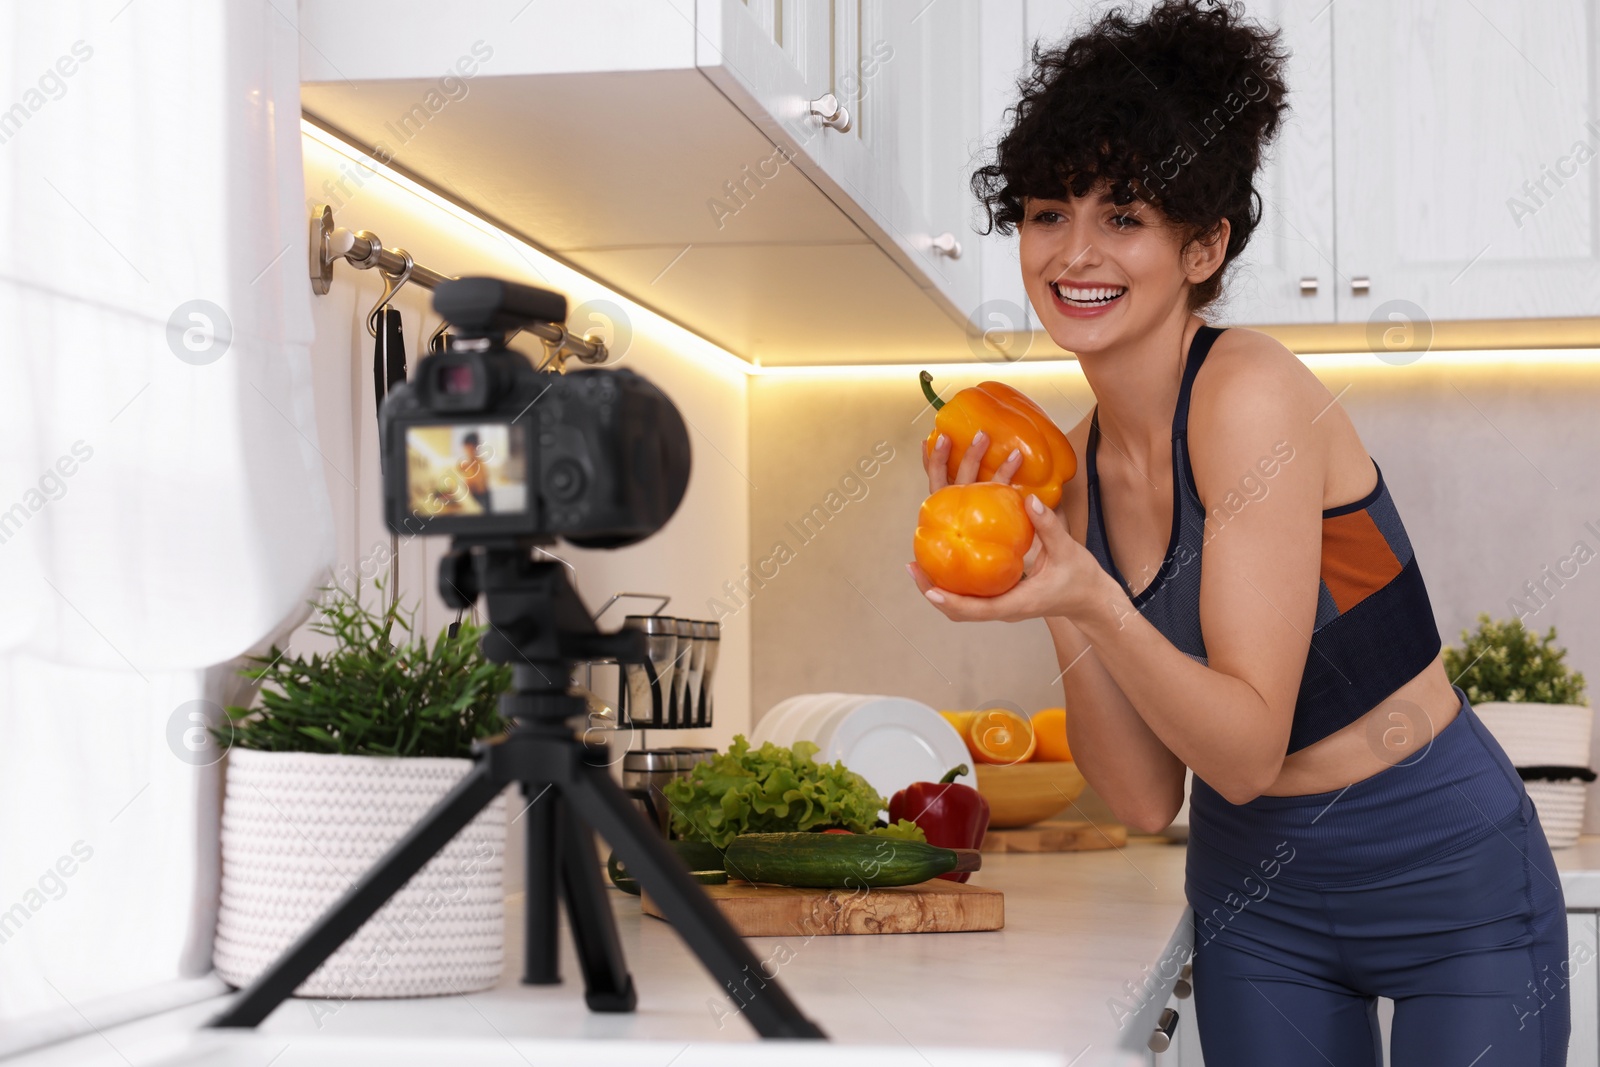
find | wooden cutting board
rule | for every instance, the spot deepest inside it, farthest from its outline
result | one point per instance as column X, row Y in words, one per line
column 935, row 906
column 1056, row 836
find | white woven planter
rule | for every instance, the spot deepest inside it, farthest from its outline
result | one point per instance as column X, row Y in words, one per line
column 298, row 828
column 1560, row 808
column 1546, row 735
column 1536, row 735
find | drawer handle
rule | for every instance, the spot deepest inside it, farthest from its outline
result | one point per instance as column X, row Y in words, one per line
column 946, row 245
column 1360, row 285
column 834, row 115
column 1308, row 287
column 1161, row 1036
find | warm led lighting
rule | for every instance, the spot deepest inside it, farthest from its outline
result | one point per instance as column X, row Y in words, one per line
column 1503, row 358
column 554, row 274
column 998, row 369
column 691, row 345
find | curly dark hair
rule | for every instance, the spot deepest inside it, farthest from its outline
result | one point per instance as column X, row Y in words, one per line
column 1176, row 109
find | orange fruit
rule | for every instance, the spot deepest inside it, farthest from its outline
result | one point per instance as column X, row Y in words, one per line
column 1000, row 736
column 1050, row 726
column 960, row 720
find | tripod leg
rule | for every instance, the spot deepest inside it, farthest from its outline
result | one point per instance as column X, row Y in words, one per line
column 602, row 803
column 541, row 949
column 362, row 900
column 607, row 984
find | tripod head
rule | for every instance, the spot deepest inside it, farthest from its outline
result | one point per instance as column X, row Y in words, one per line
column 537, row 621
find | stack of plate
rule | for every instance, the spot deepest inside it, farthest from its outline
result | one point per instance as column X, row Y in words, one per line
column 889, row 741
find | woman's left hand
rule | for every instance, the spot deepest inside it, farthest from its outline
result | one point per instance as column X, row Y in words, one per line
column 1064, row 579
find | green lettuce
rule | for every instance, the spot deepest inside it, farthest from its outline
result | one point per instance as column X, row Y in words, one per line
column 773, row 790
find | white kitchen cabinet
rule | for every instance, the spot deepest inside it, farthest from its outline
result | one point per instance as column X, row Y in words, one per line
column 1448, row 118
column 1583, row 937
column 1185, row 1048
column 1287, row 273
column 906, row 75
column 1437, row 154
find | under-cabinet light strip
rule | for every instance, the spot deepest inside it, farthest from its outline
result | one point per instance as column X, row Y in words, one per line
column 669, row 333
column 1321, row 361
column 683, row 339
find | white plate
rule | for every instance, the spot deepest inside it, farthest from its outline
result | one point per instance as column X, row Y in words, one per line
column 817, row 725
column 782, row 729
column 766, row 728
column 892, row 742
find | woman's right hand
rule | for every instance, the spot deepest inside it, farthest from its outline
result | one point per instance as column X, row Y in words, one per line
column 936, row 461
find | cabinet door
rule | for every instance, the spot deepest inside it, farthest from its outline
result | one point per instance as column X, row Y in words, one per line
column 907, row 74
column 921, row 128
column 1003, row 59
column 1294, row 240
column 1465, row 145
column 1583, row 937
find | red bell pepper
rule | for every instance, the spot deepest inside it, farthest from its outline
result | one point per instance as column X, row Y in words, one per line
column 951, row 815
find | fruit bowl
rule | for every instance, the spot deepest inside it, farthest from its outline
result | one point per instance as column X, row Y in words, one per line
column 1021, row 794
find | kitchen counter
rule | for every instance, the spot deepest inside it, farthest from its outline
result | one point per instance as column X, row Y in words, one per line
column 1078, row 975
column 1084, row 932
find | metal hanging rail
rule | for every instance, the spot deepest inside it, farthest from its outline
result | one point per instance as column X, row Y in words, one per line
column 364, row 251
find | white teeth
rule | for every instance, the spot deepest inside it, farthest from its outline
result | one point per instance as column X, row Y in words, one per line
column 1087, row 296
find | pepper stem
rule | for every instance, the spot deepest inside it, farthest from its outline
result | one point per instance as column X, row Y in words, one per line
column 927, row 391
column 953, row 774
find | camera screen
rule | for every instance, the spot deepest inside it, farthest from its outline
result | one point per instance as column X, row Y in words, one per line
column 466, row 469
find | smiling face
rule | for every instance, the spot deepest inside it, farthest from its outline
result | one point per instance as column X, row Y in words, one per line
column 1099, row 273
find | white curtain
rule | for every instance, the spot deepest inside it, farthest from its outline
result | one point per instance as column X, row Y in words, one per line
column 163, row 505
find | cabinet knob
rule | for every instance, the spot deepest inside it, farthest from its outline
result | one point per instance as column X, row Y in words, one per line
column 1308, row 287
column 1161, row 1036
column 1360, row 285
column 833, row 114
column 946, row 245
column 1183, row 989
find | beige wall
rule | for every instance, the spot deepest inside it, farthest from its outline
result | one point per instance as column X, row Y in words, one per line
column 1466, row 450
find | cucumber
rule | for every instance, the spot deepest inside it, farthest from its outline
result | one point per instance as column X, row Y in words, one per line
column 823, row 861
column 703, row 859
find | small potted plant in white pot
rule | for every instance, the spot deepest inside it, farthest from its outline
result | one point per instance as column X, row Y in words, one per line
column 343, row 753
column 1535, row 706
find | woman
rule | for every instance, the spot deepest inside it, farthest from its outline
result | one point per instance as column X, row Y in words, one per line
column 1355, row 831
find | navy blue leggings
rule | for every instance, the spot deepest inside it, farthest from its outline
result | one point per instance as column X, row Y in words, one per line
column 1430, row 882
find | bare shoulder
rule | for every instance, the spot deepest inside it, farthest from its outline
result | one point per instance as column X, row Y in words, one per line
column 1252, row 399
column 1251, row 375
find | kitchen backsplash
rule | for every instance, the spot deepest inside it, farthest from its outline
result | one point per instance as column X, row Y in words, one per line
column 1491, row 466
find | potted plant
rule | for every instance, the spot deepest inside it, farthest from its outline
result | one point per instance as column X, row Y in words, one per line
column 1535, row 706
column 345, row 751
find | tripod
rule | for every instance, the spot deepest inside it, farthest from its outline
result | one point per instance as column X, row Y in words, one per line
column 539, row 624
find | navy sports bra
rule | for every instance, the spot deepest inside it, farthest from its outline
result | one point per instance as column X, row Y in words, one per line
column 1374, row 628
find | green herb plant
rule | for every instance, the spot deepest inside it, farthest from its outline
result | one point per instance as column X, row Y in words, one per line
column 381, row 692
column 1503, row 661
column 772, row 790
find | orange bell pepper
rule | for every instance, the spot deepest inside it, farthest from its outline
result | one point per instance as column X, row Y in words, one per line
column 1012, row 421
column 971, row 538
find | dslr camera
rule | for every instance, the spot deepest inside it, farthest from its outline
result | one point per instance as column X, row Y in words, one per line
column 483, row 446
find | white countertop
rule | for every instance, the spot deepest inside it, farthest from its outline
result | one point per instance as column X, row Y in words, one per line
column 1073, row 976
column 1082, row 930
